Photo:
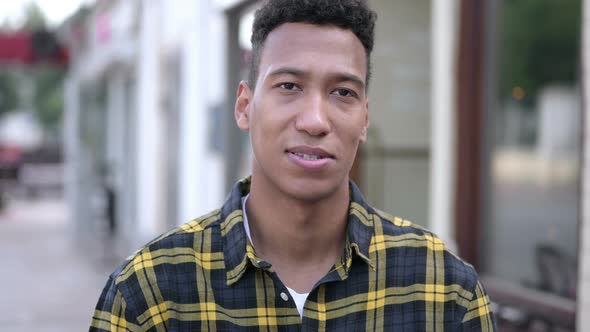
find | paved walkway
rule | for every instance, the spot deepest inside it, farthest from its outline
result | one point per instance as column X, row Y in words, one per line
column 49, row 279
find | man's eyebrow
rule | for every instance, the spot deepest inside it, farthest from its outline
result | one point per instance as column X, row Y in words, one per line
column 343, row 77
column 287, row 70
column 339, row 77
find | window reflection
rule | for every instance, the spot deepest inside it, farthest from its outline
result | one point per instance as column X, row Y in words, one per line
column 530, row 237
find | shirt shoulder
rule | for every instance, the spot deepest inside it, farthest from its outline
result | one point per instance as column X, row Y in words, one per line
column 439, row 270
column 176, row 246
column 142, row 286
column 402, row 233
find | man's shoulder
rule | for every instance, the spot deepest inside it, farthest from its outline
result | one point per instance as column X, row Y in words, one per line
column 397, row 225
column 176, row 246
column 419, row 259
column 404, row 233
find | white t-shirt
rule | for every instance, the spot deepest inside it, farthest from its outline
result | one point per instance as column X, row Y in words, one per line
column 298, row 298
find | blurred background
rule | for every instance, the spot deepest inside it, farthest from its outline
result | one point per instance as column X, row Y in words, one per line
column 116, row 124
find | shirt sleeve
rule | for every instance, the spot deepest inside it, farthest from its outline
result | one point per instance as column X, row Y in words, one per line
column 479, row 316
column 111, row 313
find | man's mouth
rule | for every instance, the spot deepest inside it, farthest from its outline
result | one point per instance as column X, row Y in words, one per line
column 310, row 153
column 308, row 156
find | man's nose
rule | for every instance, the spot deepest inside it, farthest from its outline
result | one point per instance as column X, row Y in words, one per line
column 313, row 116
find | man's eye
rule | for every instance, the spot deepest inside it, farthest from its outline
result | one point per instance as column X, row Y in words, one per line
column 344, row 93
column 287, row 86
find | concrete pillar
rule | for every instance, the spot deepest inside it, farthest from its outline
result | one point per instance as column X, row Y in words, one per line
column 442, row 107
column 584, row 246
column 149, row 124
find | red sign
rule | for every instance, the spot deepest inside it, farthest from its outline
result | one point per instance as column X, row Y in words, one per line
column 31, row 48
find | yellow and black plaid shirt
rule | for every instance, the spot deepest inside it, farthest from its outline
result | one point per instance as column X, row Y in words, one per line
column 205, row 276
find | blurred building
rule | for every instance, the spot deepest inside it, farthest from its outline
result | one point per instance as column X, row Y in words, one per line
column 151, row 140
column 142, row 98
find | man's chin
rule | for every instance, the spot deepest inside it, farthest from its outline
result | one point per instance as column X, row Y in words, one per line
column 312, row 191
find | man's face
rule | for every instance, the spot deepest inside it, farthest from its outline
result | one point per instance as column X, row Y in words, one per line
column 309, row 111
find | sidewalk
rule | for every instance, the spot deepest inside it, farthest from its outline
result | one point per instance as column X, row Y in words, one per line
column 50, row 280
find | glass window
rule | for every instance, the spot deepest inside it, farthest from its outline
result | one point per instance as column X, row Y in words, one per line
column 530, row 237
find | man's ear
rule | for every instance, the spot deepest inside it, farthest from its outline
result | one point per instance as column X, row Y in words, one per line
column 242, row 107
column 363, row 138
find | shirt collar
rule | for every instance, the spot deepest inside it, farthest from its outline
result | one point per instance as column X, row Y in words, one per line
column 239, row 253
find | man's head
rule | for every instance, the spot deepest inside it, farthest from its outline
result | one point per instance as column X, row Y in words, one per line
column 353, row 15
column 309, row 110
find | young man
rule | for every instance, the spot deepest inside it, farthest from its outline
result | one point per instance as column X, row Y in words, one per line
column 296, row 246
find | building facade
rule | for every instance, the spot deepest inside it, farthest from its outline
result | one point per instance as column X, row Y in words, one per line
column 141, row 126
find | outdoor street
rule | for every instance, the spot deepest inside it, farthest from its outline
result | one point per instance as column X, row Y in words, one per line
column 50, row 281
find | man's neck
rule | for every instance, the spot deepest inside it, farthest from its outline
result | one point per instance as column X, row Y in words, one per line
column 301, row 239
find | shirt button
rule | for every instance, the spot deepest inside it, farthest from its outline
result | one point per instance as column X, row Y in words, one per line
column 284, row 296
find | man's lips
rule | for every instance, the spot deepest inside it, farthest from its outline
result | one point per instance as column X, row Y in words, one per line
column 310, row 158
column 310, row 153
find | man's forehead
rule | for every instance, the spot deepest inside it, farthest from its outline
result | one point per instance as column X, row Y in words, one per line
column 300, row 48
column 290, row 30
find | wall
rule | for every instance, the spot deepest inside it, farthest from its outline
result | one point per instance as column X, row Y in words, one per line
column 397, row 165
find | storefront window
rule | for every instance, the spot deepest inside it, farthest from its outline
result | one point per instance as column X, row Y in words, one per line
column 530, row 236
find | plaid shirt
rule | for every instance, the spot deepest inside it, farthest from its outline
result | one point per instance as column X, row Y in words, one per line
column 205, row 276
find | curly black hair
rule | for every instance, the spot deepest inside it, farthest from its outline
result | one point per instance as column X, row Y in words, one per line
column 353, row 15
